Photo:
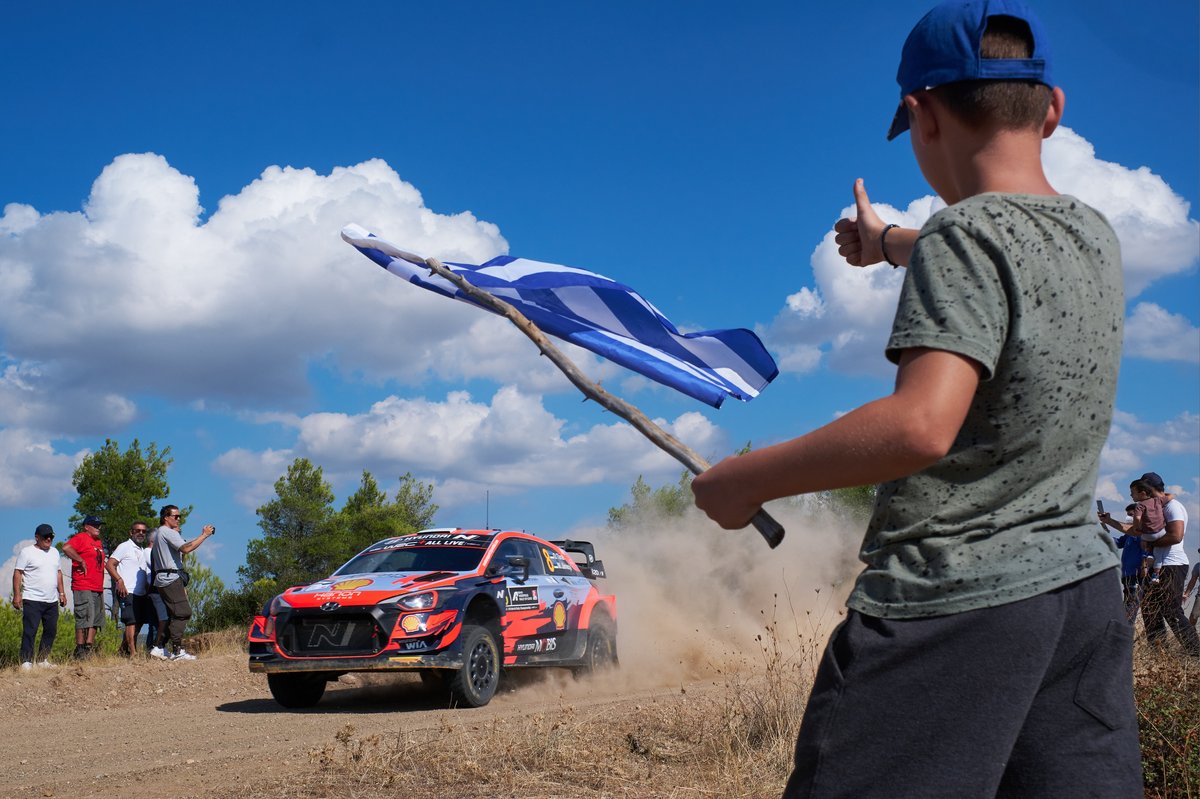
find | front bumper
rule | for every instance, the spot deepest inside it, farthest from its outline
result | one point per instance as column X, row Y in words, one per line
column 273, row 663
column 372, row 640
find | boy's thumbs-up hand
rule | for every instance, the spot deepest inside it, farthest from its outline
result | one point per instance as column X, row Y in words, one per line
column 858, row 239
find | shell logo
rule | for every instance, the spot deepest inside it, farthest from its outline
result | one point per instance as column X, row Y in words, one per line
column 350, row 585
column 560, row 615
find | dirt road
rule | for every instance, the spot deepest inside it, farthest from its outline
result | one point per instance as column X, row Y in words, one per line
column 151, row 729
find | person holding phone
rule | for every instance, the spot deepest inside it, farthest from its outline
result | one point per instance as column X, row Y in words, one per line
column 170, row 578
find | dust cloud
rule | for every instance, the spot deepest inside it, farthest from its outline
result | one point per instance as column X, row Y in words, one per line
column 692, row 599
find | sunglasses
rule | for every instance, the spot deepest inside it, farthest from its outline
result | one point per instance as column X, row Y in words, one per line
column 173, row 516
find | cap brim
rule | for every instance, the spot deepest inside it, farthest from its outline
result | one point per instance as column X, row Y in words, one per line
column 899, row 122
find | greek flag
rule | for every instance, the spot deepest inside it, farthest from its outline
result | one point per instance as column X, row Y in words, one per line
column 601, row 315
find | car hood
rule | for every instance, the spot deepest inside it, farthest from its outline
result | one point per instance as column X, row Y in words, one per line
column 368, row 588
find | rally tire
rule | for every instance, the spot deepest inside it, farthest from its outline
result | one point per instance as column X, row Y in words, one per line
column 601, row 654
column 296, row 691
column 475, row 683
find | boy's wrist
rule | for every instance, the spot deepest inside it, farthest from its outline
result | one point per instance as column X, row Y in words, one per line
column 883, row 245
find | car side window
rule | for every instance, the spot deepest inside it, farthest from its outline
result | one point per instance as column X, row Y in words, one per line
column 530, row 551
column 554, row 562
column 521, row 547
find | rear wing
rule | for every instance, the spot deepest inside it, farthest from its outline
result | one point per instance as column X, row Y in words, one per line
column 584, row 555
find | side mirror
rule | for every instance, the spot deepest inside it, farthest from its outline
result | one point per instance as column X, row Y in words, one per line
column 517, row 567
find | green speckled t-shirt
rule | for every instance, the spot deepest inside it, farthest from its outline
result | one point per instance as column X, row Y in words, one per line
column 1030, row 287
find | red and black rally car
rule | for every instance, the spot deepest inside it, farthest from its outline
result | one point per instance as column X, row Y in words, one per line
column 457, row 606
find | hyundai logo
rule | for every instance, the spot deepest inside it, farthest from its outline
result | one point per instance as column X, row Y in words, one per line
column 331, row 606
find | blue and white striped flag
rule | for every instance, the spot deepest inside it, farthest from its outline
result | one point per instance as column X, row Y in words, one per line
column 601, row 315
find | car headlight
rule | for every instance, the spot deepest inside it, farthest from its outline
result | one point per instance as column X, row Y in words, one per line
column 422, row 601
column 277, row 605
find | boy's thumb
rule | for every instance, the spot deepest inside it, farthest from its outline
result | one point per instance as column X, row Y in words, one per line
column 862, row 202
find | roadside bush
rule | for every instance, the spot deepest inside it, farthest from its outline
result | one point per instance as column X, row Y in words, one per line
column 108, row 639
column 234, row 609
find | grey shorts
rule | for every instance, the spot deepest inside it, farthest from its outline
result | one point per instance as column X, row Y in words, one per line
column 1032, row 698
column 89, row 609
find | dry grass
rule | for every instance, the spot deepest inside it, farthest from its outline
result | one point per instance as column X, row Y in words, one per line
column 1167, row 689
column 732, row 739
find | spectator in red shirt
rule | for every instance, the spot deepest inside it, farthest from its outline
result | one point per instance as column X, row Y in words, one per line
column 86, row 551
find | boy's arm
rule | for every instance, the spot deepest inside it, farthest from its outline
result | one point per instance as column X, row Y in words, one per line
column 860, row 240
column 892, row 437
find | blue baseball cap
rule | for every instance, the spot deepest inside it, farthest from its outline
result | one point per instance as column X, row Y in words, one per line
column 944, row 48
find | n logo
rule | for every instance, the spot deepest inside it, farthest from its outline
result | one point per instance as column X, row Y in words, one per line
column 330, row 636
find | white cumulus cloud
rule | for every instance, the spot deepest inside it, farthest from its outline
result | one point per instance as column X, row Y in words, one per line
column 1158, row 335
column 509, row 444
column 32, row 472
column 845, row 317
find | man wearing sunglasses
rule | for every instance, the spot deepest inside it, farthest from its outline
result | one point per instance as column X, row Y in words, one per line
column 37, row 582
column 170, row 578
column 86, row 552
column 129, row 568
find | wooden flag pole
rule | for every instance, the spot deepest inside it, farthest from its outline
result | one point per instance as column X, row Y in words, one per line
column 770, row 529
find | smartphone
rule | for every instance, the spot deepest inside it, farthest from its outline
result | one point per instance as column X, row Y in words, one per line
column 1100, row 506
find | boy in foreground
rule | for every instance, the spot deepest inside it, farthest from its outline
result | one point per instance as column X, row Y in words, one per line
column 986, row 650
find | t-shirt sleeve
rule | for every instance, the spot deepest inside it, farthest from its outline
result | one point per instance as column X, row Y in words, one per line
column 23, row 561
column 173, row 538
column 953, row 298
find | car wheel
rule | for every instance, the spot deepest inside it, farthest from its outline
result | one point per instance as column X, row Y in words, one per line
column 296, row 690
column 601, row 654
column 475, row 683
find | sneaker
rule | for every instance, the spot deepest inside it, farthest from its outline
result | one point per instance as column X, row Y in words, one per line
column 46, row 664
column 26, row 666
column 183, row 654
column 160, row 653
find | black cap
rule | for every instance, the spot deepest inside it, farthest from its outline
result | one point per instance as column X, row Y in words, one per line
column 93, row 521
column 44, row 531
column 1154, row 481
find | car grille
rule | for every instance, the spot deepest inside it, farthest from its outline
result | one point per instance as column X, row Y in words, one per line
column 331, row 634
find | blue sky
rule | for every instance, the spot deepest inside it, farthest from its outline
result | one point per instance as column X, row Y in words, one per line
column 172, row 184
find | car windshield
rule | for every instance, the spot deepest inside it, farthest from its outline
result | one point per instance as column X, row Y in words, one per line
column 424, row 558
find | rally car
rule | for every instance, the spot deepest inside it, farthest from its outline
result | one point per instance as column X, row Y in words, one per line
column 457, row 606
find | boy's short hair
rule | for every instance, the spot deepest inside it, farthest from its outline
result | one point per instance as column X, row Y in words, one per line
column 1141, row 486
column 989, row 61
column 1008, row 104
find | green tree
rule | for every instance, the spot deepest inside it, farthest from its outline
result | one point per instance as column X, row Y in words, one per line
column 368, row 517
column 204, row 591
column 666, row 501
column 121, row 488
column 300, row 536
column 859, row 501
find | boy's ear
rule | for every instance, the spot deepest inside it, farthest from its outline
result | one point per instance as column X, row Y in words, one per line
column 1054, row 113
column 922, row 121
